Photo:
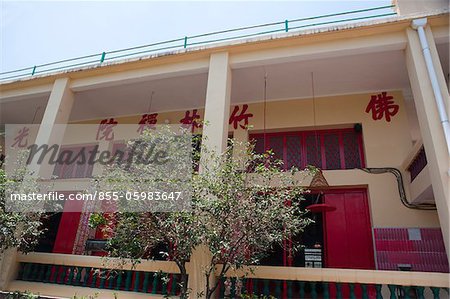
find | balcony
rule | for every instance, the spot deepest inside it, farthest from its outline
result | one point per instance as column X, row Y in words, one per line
column 418, row 164
column 60, row 275
column 417, row 176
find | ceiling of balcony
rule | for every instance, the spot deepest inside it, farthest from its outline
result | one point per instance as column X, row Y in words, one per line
column 24, row 111
column 332, row 76
column 343, row 75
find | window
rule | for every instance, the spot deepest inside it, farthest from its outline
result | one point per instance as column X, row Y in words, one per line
column 73, row 162
column 419, row 163
column 326, row 149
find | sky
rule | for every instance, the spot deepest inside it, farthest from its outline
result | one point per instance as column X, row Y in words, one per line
column 37, row 32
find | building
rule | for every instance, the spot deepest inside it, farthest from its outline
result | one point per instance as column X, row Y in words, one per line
column 361, row 100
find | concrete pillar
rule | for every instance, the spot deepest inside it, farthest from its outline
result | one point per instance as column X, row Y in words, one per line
column 8, row 267
column 217, row 107
column 430, row 128
column 199, row 263
column 240, row 137
column 215, row 134
column 438, row 67
column 57, row 111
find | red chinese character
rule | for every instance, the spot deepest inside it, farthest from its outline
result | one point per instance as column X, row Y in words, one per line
column 148, row 121
column 191, row 120
column 236, row 119
column 105, row 129
column 381, row 106
column 21, row 139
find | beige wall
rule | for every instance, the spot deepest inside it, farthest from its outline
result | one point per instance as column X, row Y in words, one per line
column 386, row 144
column 405, row 7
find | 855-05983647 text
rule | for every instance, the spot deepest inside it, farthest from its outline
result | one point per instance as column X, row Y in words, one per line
column 99, row 195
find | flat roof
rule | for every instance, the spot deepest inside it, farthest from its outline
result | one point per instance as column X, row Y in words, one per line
column 236, row 42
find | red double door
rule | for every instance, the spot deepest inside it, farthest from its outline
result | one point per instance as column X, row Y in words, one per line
column 348, row 236
column 347, row 230
column 68, row 227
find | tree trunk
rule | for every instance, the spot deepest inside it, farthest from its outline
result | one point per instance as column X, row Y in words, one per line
column 184, row 282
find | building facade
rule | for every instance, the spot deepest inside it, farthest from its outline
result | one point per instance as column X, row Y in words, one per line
column 356, row 100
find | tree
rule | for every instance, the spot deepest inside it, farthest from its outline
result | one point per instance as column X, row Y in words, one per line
column 240, row 207
column 19, row 230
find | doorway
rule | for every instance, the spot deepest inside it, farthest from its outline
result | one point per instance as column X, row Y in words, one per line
column 348, row 232
column 341, row 238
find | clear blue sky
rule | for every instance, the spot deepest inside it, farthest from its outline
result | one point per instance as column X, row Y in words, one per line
column 36, row 32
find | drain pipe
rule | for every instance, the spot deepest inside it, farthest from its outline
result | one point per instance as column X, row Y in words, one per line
column 419, row 25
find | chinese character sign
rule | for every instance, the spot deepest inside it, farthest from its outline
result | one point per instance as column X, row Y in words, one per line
column 148, row 121
column 382, row 105
column 191, row 120
column 237, row 118
column 105, row 129
column 21, row 139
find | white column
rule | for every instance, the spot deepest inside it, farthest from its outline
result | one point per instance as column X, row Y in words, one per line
column 57, row 111
column 438, row 67
column 240, row 137
column 217, row 107
column 431, row 129
column 215, row 134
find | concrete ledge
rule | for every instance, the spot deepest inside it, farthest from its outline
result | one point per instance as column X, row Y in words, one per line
column 64, row 291
column 425, row 279
column 96, row 262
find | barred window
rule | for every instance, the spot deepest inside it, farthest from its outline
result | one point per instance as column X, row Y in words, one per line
column 326, row 149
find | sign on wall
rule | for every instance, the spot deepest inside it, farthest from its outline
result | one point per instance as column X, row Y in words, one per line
column 382, row 106
column 239, row 118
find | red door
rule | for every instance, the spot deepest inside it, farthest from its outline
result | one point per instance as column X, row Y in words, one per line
column 68, row 227
column 348, row 231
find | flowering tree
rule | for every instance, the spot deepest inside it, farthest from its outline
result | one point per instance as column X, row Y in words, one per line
column 19, row 230
column 240, row 207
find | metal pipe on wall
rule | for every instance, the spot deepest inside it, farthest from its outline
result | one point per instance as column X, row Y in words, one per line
column 419, row 25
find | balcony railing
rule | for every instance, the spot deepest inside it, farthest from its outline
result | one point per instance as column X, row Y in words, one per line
column 281, row 282
column 201, row 39
column 148, row 277
column 101, row 278
column 289, row 282
column 322, row 289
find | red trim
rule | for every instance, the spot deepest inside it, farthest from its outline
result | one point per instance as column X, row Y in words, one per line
column 361, row 150
column 323, row 157
column 342, row 150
